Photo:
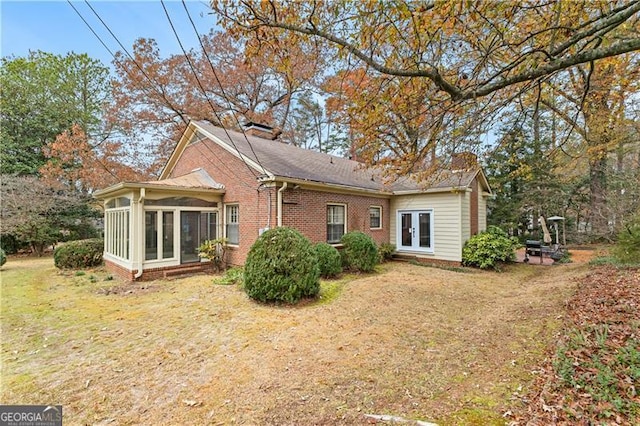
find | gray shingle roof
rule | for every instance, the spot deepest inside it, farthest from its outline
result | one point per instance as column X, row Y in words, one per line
column 289, row 161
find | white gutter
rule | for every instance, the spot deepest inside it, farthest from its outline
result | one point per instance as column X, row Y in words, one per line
column 279, row 201
column 140, row 234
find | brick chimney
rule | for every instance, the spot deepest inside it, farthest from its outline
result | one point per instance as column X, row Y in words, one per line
column 464, row 161
column 261, row 130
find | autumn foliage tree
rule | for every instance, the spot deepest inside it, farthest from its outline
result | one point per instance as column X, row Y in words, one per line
column 455, row 64
column 75, row 164
column 158, row 96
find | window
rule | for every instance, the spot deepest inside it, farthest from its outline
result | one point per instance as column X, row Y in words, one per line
column 416, row 230
column 117, row 214
column 375, row 217
column 233, row 224
column 150, row 235
column 336, row 223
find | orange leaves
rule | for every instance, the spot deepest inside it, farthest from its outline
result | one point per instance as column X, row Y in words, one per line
column 72, row 163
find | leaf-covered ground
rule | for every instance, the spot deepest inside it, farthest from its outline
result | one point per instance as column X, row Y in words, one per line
column 450, row 347
column 592, row 375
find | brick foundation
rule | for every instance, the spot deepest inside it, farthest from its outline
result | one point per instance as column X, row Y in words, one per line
column 158, row 273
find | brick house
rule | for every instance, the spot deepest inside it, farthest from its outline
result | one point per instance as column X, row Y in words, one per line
column 220, row 182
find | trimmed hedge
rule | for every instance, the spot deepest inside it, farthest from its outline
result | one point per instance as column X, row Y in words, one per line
column 489, row 248
column 329, row 260
column 281, row 266
column 3, row 257
column 79, row 254
column 360, row 252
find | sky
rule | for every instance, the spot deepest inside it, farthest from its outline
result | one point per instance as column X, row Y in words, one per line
column 55, row 27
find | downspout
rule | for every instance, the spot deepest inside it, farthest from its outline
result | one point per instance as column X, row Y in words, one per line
column 269, row 210
column 279, row 201
column 140, row 234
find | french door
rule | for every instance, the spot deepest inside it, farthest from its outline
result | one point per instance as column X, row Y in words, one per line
column 415, row 230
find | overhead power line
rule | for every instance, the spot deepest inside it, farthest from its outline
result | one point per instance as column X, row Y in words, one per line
column 204, row 92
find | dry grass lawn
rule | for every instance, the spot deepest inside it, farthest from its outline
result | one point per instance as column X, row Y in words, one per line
column 444, row 346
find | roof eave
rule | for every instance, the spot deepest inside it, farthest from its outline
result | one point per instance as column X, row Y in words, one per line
column 431, row 190
column 326, row 185
column 128, row 186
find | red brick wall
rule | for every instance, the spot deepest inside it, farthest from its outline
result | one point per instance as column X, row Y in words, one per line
column 304, row 210
column 474, row 207
column 241, row 187
column 119, row 271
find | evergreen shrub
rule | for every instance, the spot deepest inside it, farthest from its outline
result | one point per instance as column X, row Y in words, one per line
column 360, row 252
column 3, row 257
column 329, row 260
column 489, row 248
column 386, row 251
column 281, row 266
column 79, row 254
column 627, row 248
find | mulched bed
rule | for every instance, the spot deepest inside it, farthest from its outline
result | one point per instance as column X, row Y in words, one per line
column 593, row 375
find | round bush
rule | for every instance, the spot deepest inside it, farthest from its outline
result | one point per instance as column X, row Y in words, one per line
column 360, row 252
column 79, row 254
column 329, row 260
column 281, row 267
column 3, row 257
column 487, row 249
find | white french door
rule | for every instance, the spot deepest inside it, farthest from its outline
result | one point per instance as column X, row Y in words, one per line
column 415, row 230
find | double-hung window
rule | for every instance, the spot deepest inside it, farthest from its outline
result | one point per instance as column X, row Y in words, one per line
column 336, row 222
column 233, row 224
column 375, row 217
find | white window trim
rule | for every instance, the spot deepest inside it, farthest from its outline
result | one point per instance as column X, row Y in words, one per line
column 224, row 226
column 380, row 210
column 432, row 223
column 344, row 231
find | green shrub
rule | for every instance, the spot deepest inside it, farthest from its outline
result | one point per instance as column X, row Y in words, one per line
column 627, row 248
column 281, row 266
column 3, row 257
column 385, row 251
column 329, row 260
column 79, row 254
column 360, row 252
column 487, row 249
column 231, row 276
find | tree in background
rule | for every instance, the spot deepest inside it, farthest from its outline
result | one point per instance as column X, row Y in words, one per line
column 457, row 66
column 76, row 165
column 158, row 96
column 593, row 104
column 34, row 213
column 43, row 95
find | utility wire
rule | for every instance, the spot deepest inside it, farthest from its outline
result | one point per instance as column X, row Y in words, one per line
column 224, row 95
column 141, row 86
column 195, row 74
column 159, row 91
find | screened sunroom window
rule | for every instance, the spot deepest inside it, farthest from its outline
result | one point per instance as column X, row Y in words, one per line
column 117, row 221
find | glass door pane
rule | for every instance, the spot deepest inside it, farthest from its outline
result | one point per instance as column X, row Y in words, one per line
column 189, row 236
column 424, row 229
column 407, row 230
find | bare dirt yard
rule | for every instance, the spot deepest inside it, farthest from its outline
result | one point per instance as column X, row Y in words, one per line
column 444, row 346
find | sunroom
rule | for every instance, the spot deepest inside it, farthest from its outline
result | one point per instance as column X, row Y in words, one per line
column 154, row 229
